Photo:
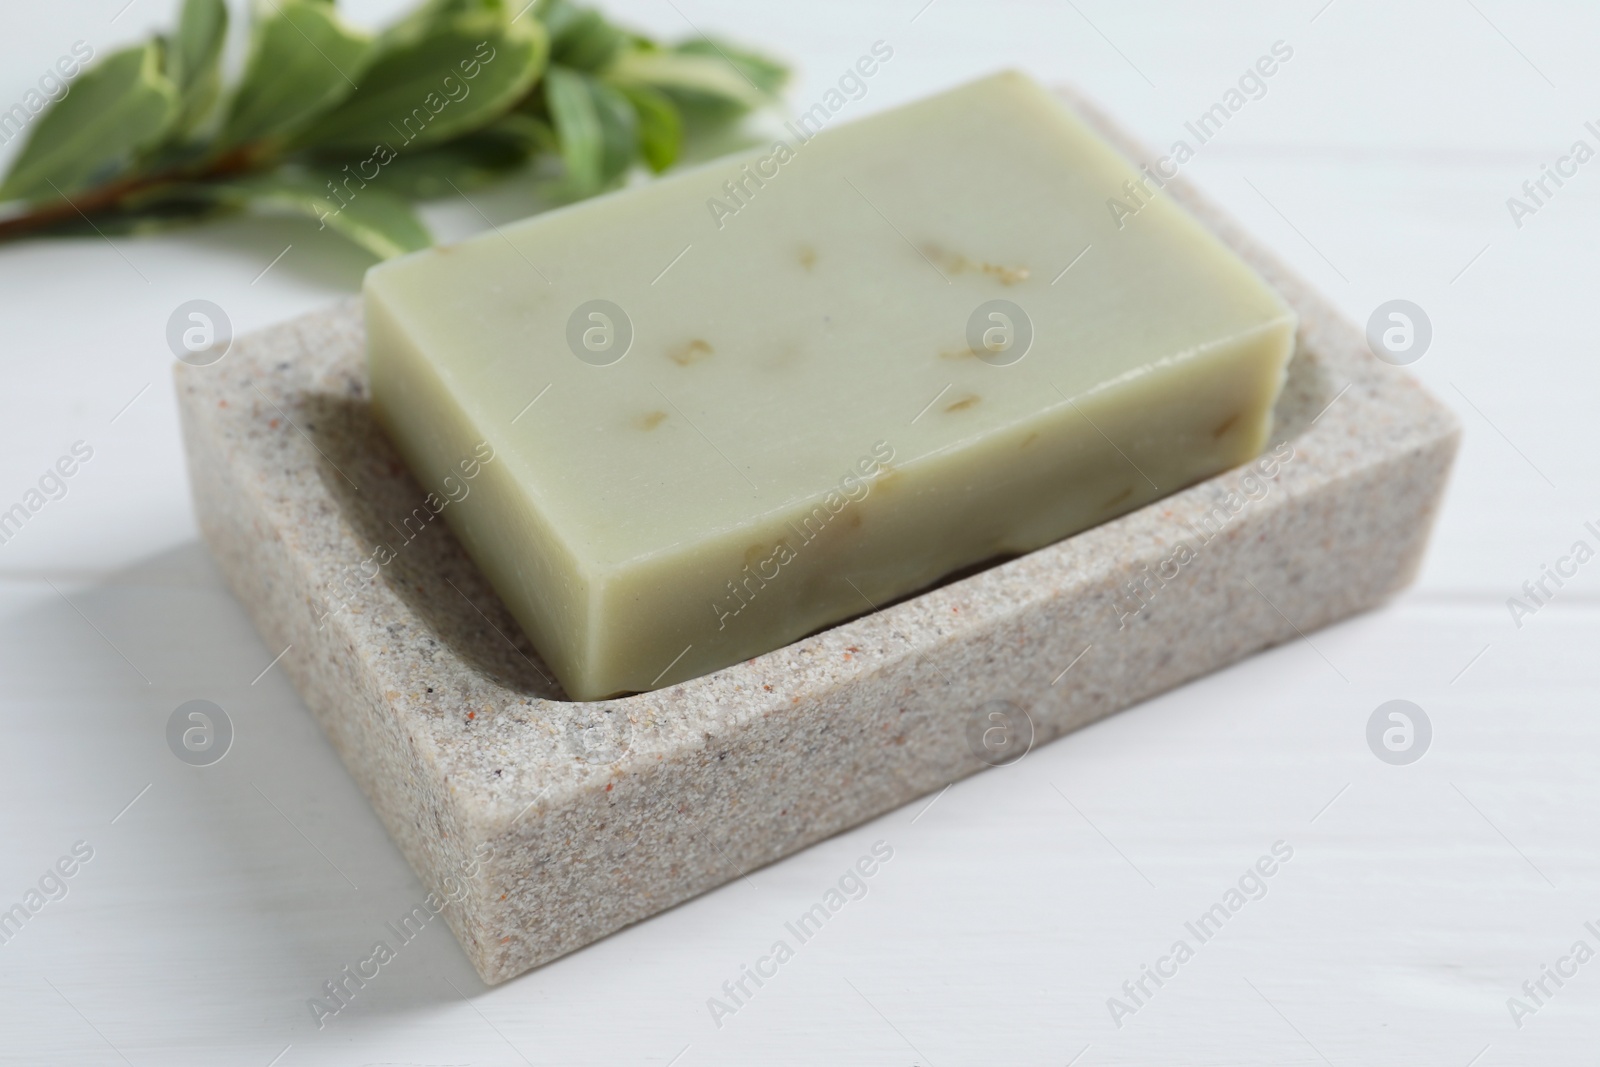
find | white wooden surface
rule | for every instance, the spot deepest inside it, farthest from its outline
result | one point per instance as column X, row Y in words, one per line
column 1418, row 898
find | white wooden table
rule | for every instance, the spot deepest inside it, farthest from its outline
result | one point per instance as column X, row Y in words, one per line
column 1418, row 898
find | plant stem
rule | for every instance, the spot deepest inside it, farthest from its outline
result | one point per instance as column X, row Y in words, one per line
column 109, row 196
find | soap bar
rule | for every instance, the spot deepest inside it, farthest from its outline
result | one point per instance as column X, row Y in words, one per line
column 708, row 415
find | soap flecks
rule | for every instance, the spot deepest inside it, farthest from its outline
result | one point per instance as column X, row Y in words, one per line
column 1007, row 275
column 807, row 256
column 968, row 401
column 956, row 263
column 650, row 420
column 1227, row 425
column 691, row 351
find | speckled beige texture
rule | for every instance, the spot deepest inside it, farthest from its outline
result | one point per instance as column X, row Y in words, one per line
column 596, row 815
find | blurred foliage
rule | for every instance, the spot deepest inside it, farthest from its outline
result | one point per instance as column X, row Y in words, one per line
column 350, row 127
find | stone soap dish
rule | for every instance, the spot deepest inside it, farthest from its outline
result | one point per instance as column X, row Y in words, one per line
column 565, row 821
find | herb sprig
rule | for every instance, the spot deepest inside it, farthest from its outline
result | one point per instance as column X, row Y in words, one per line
column 350, row 128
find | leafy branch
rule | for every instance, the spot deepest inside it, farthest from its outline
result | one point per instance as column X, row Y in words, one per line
column 349, row 127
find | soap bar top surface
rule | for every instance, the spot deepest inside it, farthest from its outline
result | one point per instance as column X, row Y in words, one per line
column 819, row 319
column 717, row 350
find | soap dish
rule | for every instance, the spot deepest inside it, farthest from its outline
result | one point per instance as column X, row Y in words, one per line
column 550, row 823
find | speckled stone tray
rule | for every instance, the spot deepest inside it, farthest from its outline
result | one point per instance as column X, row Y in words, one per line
column 554, row 823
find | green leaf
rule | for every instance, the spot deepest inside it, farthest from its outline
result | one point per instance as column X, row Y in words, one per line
column 556, row 15
column 113, row 110
column 457, row 77
column 660, row 126
column 619, row 129
column 532, row 134
column 194, row 57
column 435, row 13
column 707, row 86
column 303, row 60
column 586, row 42
column 373, row 218
column 383, row 224
column 596, row 126
column 577, row 124
column 766, row 73
column 468, row 162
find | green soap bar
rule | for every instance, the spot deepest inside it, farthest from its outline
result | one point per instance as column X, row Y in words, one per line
column 743, row 402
